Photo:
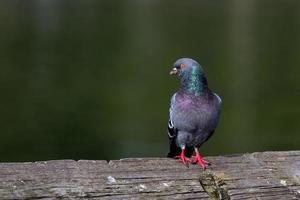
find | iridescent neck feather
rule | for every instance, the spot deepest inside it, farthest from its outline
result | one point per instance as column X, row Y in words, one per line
column 194, row 81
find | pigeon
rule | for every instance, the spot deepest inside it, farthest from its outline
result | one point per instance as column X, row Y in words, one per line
column 194, row 113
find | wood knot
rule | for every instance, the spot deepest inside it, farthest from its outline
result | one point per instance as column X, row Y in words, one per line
column 214, row 186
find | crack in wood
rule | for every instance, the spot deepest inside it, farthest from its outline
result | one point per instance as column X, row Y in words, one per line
column 214, row 186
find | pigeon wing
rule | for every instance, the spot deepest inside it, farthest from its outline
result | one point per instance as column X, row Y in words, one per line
column 172, row 134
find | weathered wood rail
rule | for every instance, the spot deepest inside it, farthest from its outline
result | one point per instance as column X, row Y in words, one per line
column 266, row 175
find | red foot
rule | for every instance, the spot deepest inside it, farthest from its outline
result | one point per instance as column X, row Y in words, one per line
column 185, row 160
column 198, row 159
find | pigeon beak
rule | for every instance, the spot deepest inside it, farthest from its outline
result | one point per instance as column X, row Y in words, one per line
column 173, row 71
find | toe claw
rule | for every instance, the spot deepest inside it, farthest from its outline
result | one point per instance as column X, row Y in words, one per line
column 185, row 160
column 201, row 162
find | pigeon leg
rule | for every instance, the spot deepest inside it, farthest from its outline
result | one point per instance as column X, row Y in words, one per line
column 185, row 160
column 198, row 159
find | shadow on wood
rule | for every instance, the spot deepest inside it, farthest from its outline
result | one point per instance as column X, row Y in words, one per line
column 266, row 175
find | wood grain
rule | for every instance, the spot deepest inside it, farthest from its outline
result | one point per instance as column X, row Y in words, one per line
column 265, row 175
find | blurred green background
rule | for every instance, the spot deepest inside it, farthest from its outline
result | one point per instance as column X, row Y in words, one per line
column 89, row 79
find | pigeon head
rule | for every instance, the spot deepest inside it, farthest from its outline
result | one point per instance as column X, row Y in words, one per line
column 191, row 74
column 184, row 66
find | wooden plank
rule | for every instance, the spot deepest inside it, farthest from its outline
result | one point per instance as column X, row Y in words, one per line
column 266, row 175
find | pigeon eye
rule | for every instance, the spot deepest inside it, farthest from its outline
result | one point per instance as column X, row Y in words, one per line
column 182, row 66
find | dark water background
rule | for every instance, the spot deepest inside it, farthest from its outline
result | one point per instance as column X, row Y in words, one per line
column 89, row 79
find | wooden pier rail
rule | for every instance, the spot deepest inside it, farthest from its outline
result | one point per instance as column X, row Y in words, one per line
column 265, row 175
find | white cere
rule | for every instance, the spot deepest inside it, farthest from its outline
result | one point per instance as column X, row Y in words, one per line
column 111, row 179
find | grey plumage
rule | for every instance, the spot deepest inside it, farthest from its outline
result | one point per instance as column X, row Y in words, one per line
column 194, row 110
